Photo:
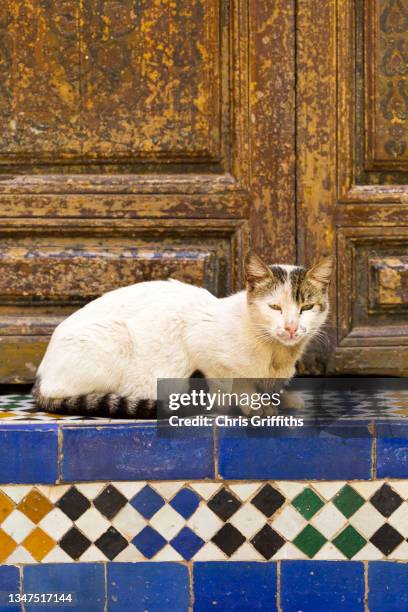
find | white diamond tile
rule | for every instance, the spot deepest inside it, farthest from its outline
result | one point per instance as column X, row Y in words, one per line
column 400, row 487
column 400, row 553
column 289, row 523
column 167, row 522
column 20, row 555
column 93, row 554
column 167, row 553
column 328, row 489
column 329, row 551
column 205, row 489
column 248, row 520
column 399, row 519
column 329, row 520
column 367, row 520
column 167, row 489
column 18, row 526
column 369, row 552
column 129, row 522
column 290, row 489
column 244, row 491
column 91, row 489
column 210, row 552
column 53, row 493
column 204, row 523
column 57, row 555
column 289, row 551
column 16, row 492
column 55, row 524
column 92, row 524
column 129, row 555
column 129, row 489
column 246, row 552
column 367, row 488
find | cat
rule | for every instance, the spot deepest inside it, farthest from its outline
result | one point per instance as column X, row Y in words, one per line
column 105, row 358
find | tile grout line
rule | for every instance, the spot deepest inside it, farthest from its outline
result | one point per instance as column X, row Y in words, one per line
column 60, row 455
column 106, row 586
column 374, row 453
column 278, row 586
column 191, row 585
column 366, row 608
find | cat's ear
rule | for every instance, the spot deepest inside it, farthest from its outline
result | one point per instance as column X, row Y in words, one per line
column 256, row 271
column 320, row 274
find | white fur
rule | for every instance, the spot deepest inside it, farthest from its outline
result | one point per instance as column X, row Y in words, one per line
column 123, row 341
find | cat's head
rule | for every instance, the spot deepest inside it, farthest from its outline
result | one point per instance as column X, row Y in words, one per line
column 287, row 303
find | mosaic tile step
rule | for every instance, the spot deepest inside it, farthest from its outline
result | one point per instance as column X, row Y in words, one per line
column 391, row 404
column 204, row 521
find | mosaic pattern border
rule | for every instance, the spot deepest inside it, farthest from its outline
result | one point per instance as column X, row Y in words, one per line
column 204, row 521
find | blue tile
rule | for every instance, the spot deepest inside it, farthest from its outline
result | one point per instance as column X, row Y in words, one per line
column 392, row 450
column 149, row 542
column 86, row 582
column 185, row 502
column 9, row 585
column 147, row 502
column 322, row 586
column 28, row 454
column 133, row 452
column 237, row 586
column 340, row 453
column 187, row 543
column 156, row 587
column 387, row 586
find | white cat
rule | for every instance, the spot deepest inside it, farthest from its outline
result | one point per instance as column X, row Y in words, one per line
column 106, row 357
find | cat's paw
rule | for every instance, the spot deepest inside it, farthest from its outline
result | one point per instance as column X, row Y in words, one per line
column 292, row 400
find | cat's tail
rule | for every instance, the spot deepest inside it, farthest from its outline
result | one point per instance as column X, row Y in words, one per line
column 106, row 405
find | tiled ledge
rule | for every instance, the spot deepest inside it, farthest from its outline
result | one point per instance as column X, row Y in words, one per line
column 204, row 521
column 40, row 453
column 282, row 586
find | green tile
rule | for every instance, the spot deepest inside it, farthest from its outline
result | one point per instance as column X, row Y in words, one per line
column 309, row 541
column 348, row 501
column 307, row 503
column 349, row 542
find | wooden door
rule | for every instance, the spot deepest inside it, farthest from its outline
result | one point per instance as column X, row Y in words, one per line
column 352, row 162
column 139, row 139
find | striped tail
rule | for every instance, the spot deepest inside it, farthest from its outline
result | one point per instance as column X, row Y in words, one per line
column 106, row 405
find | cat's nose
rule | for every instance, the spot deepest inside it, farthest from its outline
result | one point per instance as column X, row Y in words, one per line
column 291, row 328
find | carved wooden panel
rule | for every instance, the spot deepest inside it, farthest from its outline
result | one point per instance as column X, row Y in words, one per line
column 110, row 80
column 387, row 88
column 373, row 283
column 353, row 176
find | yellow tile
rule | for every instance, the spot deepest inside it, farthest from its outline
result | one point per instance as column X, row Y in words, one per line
column 7, row 545
column 6, row 506
column 35, row 506
column 38, row 544
column 7, row 415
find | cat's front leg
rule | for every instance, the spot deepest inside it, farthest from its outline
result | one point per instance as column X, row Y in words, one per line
column 292, row 400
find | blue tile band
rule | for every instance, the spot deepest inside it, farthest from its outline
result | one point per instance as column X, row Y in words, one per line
column 28, row 454
column 336, row 454
column 136, row 452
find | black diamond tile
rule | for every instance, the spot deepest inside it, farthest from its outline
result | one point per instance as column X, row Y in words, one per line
column 224, row 504
column 74, row 543
column 228, row 539
column 110, row 501
column 111, row 543
column 73, row 503
column 386, row 538
column 267, row 542
column 386, row 500
column 268, row 500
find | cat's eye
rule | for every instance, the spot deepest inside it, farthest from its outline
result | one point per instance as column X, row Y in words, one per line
column 275, row 307
column 306, row 307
